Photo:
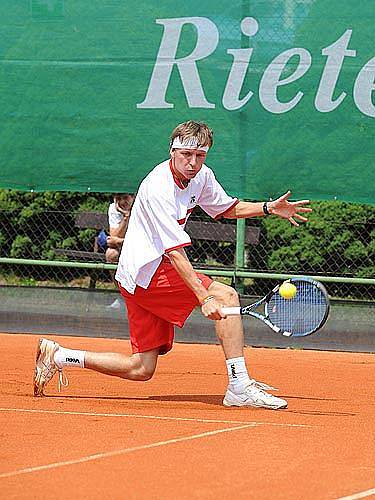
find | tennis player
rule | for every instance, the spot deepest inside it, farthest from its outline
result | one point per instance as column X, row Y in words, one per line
column 159, row 284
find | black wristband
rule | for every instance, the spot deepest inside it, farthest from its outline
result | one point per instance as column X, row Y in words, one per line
column 265, row 209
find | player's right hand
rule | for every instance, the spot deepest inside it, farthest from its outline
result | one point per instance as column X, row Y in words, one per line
column 212, row 310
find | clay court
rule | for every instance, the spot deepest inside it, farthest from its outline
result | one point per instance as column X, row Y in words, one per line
column 170, row 438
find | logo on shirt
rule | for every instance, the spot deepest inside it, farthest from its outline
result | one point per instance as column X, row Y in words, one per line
column 192, row 199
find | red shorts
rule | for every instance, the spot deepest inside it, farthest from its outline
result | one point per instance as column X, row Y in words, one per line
column 153, row 312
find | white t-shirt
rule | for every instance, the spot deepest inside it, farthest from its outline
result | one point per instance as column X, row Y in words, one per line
column 158, row 218
column 114, row 217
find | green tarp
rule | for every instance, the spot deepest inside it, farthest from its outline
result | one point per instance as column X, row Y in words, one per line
column 90, row 91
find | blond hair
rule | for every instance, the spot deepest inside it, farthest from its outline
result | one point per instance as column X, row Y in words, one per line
column 190, row 129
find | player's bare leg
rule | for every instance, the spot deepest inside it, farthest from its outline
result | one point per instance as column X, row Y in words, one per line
column 52, row 358
column 230, row 330
column 139, row 366
column 242, row 390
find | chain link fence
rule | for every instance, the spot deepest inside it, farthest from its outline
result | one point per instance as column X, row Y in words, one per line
column 338, row 241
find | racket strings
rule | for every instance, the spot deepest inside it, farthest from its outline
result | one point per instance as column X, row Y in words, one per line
column 303, row 313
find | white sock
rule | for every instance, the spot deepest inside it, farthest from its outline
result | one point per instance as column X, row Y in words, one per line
column 237, row 374
column 69, row 357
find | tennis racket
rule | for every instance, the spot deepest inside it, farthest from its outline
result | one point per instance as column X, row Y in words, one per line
column 299, row 316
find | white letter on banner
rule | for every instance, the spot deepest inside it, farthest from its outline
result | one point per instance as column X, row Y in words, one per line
column 241, row 58
column 271, row 80
column 207, row 40
column 335, row 57
column 363, row 88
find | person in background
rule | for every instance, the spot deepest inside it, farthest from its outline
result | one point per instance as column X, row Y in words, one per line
column 118, row 219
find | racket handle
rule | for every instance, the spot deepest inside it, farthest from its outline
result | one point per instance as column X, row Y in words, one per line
column 231, row 311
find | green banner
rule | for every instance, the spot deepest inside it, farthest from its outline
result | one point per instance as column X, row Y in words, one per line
column 90, row 92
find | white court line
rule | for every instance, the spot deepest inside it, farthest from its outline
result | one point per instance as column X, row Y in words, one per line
column 115, row 453
column 362, row 494
column 153, row 417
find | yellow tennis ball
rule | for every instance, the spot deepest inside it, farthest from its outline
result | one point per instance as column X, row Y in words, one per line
column 287, row 290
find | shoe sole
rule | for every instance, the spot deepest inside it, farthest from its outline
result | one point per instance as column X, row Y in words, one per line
column 38, row 387
column 37, row 390
column 279, row 407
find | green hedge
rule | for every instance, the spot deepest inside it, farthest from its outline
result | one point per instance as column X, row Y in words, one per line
column 339, row 239
column 32, row 225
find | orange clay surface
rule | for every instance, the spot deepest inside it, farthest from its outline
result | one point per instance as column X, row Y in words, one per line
column 170, row 438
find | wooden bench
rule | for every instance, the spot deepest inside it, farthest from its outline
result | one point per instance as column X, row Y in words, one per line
column 87, row 220
column 203, row 231
column 217, row 231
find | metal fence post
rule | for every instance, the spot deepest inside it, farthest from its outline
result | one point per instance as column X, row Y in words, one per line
column 240, row 252
column 241, row 223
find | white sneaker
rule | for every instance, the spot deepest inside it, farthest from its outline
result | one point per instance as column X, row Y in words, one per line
column 116, row 304
column 254, row 395
column 45, row 366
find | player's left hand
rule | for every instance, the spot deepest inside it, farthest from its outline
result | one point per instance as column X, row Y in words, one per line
column 289, row 209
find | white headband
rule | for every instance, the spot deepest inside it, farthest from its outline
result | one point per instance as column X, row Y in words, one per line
column 190, row 143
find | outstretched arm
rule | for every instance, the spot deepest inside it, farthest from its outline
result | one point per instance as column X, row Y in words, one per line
column 281, row 207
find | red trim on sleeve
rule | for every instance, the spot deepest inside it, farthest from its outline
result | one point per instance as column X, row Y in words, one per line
column 182, row 221
column 227, row 210
column 178, row 246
